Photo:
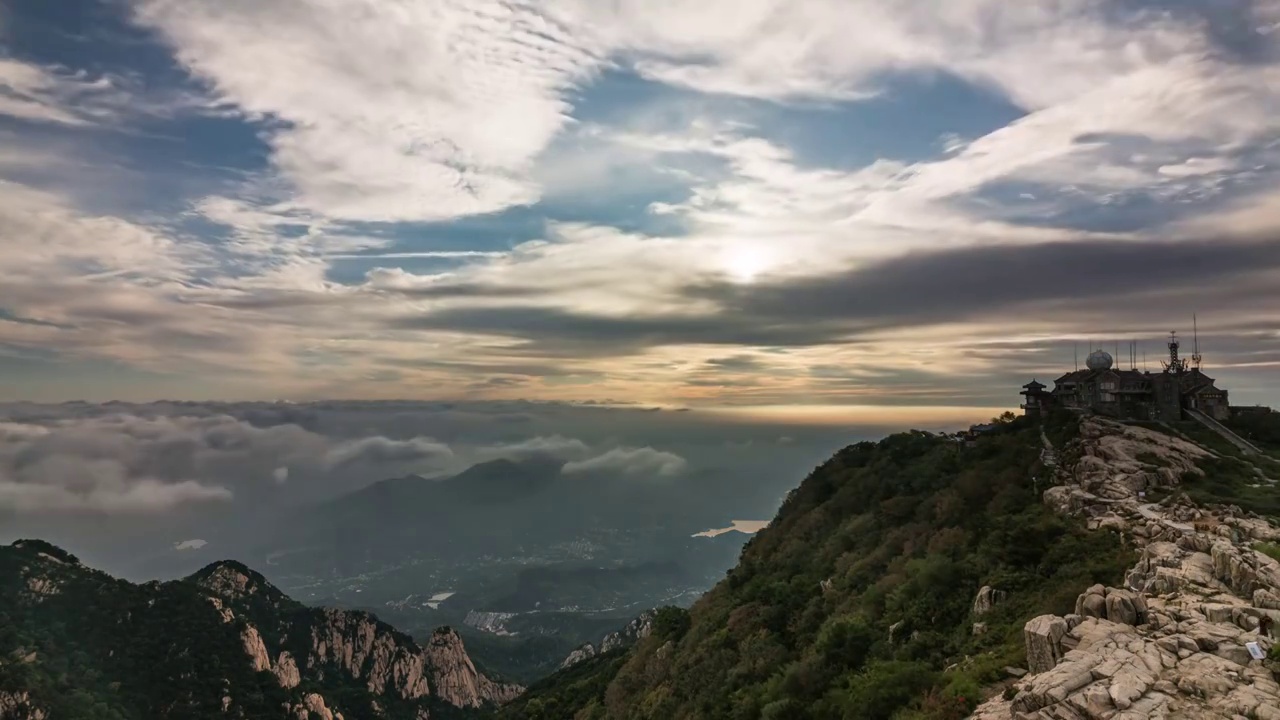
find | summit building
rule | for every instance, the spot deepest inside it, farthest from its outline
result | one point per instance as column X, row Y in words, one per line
column 1180, row 388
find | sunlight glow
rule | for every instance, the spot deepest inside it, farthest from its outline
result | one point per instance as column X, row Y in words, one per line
column 746, row 264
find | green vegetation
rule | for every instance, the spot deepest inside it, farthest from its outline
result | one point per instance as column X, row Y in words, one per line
column 517, row 659
column 1232, row 481
column 568, row 692
column 86, row 646
column 1261, row 429
column 859, row 594
column 1266, row 548
column 100, row 648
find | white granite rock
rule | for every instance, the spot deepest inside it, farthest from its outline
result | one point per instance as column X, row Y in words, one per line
column 1172, row 642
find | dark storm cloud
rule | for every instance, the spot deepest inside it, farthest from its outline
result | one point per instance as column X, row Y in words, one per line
column 567, row 333
column 736, row 363
column 918, row 289
column 949, row 285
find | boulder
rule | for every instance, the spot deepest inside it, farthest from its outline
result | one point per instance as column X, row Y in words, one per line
column 1172, row 642
column 1043, row 637
column 1125, row 607
column 986, row 599
column 1266, row 599
column 1092, row 602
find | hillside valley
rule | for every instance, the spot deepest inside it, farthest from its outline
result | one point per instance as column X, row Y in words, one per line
column 524, row 561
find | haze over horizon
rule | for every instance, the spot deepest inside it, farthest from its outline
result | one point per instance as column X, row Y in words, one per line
column 830, row 211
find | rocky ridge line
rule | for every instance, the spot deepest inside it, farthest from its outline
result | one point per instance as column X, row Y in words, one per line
column 357, row 644
column 1172, row 643
column 636, row 630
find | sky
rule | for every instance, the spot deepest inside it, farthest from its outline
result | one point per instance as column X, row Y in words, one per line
column 805, row 209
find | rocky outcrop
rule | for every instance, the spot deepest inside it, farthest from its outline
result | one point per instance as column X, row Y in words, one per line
column 360, row 646
column 41, row 587
column 223, row 611
column 356, row 644
column 1119, row 606
column 284, row 668
column 583, row 652
column 1043, row 637
column 255, row 649
column 313, row 707
column 1114, row 670
column 19, row 705
column 390, row 663
column 1172, row 643
column 986, row 599
column 229, row 581
column 356, row 658
column 636, row 630
column 286, row 671
column 456, row 680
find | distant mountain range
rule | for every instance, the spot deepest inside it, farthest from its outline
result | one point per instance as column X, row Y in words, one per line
column 415, row 536
column 76, row 643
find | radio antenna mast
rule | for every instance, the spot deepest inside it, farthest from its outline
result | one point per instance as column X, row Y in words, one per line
column 1195, row 353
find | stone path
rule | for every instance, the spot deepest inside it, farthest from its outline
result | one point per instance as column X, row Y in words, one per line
column 1048, row 455
column 1174, row 641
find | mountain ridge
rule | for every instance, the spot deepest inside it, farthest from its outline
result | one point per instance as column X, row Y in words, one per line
column 221, row 642
column 910, row 579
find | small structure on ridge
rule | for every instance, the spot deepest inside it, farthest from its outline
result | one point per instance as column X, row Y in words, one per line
column 1133, row 394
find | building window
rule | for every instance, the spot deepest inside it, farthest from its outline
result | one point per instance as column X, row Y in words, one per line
column 1108, row 397
column 1108, row 386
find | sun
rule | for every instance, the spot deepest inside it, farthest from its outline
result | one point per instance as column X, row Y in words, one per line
column 744, row 265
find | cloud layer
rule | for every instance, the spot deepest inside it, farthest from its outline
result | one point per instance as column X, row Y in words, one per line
column 577, row 200
column 133, row 460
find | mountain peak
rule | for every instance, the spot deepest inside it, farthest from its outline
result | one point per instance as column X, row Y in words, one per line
column 46, row 550
column 504, row 479
column 232, row 580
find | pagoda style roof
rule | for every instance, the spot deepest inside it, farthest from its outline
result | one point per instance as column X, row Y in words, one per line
column 1035, row 385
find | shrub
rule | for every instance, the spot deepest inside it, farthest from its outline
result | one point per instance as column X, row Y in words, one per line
column 671, row 623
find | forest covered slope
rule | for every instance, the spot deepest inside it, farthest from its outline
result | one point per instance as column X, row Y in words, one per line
column 1130, row 571
column 76, row 643
column 861, row 593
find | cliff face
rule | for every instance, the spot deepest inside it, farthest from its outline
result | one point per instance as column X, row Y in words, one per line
column 357, row 645
column 18, row 705
column 152, row 648
column 1173, row 641
column 455, row 677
